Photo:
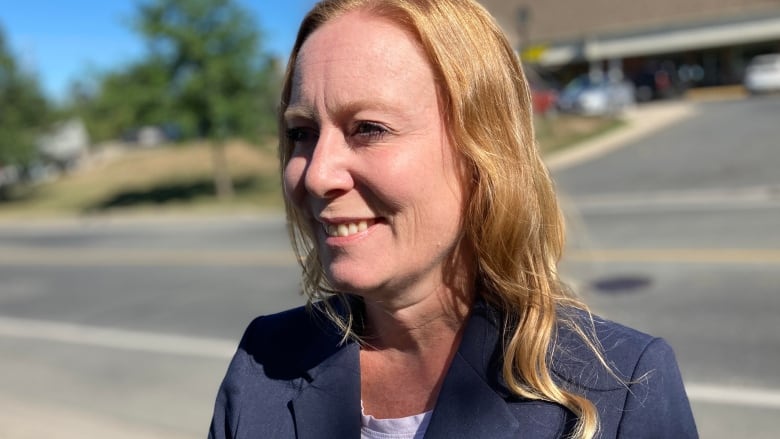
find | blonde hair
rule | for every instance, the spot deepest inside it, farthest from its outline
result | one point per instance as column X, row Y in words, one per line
column 512, row 220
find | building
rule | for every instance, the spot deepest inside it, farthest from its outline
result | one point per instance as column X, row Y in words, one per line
column 699, row 42
column 65, row 144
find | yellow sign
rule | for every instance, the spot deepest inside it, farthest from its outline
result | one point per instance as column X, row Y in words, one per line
column 533, row 53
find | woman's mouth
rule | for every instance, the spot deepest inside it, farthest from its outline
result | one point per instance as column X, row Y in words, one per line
column 345, row 229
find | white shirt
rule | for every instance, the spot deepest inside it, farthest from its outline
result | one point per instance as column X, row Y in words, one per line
column 410, row 427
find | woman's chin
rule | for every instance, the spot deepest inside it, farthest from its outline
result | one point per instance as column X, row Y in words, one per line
column 351, row 286
column 352, row 283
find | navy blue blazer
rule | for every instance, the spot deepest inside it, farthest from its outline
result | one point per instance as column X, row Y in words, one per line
column 292, row 378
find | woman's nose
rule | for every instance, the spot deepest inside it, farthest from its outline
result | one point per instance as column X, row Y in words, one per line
column 328, row 172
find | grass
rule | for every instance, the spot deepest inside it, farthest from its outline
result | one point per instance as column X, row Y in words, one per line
column 179, row 178
column 561, row 131
column 172, row 178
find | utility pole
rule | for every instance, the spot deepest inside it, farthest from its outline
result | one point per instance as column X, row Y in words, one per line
column 522, row 20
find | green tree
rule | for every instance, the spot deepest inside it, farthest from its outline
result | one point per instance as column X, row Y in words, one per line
column 220, row 84
column 120, row 100
column 24, row 111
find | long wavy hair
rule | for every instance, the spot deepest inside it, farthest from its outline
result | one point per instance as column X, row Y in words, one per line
column 512, row 220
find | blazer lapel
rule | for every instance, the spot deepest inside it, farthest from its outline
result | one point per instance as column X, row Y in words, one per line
column 468, row 408
column 473, row 402
column 328, row 405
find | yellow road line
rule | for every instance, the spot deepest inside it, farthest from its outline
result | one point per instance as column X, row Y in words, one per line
column 282, row 258
column 143, row 257
column 681, row 255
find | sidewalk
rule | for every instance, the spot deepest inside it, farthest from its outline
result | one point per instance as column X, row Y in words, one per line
column 642, row 121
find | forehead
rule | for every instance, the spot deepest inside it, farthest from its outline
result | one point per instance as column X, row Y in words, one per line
column 361, row 49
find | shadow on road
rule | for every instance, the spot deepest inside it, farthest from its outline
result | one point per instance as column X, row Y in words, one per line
column 178, row 192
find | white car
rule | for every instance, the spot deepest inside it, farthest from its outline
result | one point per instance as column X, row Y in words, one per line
column 763, row 74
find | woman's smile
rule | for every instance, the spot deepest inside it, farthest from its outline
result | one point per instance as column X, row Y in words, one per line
column 350, row 228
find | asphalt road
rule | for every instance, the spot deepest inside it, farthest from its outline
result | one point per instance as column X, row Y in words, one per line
column 127, row 328
column 114, row 328
column 676, row 234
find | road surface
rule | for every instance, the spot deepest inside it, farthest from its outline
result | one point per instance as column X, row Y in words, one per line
column 124, row 328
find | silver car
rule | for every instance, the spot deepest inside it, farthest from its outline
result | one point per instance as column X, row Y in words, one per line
column 597, row 95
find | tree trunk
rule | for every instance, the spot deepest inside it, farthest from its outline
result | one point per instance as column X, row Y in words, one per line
column 223, row 184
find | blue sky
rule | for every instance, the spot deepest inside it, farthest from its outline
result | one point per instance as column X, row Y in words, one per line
column 61, row 40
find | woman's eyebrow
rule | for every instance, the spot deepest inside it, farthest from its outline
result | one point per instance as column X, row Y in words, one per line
column 378, row 108
column 299, row 112
column 364, row 104
column 306, row 112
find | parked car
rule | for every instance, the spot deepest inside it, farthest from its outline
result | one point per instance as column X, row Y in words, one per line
column 544, row 96
column 596, row 95
column 658, row 82
column 763, row 74
column 545, row 100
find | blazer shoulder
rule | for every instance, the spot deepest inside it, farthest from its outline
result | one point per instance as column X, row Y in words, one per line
column 581, row 337
column 268, row 370
column 289, row 343
column 639, row 392
column 276, row 358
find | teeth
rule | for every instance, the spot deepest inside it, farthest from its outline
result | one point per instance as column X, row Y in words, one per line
column 346, row 229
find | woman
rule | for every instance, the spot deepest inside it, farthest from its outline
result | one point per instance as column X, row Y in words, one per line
column 429, row 234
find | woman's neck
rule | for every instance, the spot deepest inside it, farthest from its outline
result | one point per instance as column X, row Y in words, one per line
column 407, row 352
column 434, row 321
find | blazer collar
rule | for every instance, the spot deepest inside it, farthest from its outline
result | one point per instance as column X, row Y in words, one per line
column 329, row 403
column 472, row 402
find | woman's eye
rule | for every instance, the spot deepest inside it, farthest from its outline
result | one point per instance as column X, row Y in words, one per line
column 301, row 136
column 370, row 131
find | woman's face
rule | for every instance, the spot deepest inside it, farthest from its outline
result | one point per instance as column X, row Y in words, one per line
column 372, row 168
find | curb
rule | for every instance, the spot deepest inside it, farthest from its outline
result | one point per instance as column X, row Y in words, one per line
column 642, row 121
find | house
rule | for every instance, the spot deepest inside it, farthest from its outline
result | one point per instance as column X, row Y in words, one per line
column 65, row 144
